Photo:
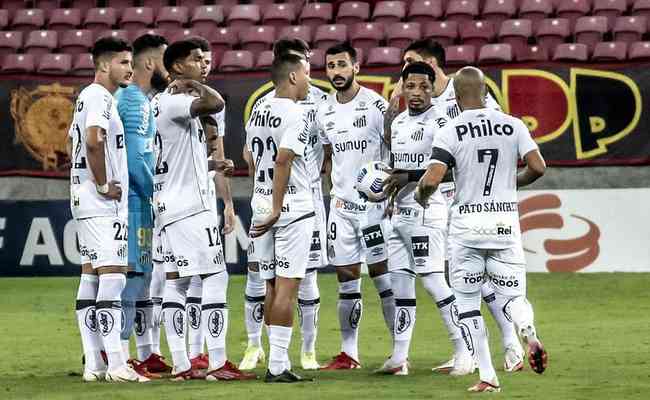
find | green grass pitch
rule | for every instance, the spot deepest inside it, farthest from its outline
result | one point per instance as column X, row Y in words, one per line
column 595, row 327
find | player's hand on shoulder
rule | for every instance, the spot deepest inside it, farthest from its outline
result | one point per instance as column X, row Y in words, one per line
column 185, row 86
column 114, row 191
column 225, row 167
column 260, row 229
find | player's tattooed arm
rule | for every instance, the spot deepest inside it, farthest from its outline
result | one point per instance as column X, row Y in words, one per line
column 428, row 184
column 535, row 168
column 95, row 142
column 327, row 165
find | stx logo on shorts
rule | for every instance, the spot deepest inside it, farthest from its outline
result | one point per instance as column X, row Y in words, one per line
column 140, row 323
column 403, row 320
column 106, row 322
column 91, row 320
column 216, row 323
column 355, row 315
column 372, row 236
column 420, row 246
column 178, row 320
column 194, row 316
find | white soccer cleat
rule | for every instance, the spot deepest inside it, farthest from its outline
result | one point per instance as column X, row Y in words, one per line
column 392, row 368
column 125, row 374
column 252, row 356
column 485, row 387
column 444, row 368
column 514, row 360
column 93, row 376
column 463, row 365
column 308, row 361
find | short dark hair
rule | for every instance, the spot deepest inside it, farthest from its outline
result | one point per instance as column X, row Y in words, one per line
column 342, row 47
column 107, row 45
column 419, row 68
column 178, row 50
column 283, row 66
column 147, row 42
column 202, row 42
column 284, row 46
column 428, row 48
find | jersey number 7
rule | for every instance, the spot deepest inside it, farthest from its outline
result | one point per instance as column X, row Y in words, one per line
column 493, row 154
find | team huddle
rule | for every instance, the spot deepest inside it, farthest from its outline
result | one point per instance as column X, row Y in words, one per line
column 440, row 205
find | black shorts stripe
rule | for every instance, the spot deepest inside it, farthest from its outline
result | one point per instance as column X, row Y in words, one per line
column 349, row 296
column 252, row 299
column 116, row 304
column 405, row 302
column 144, row 303
column 386, row 293
column 310, row 270
column 170, row 304
column 81, row 304
column 469, row 314
column 193, row 300
column 408, row 271
column 156, row 300
column 446, row 302
column 133, row 274
column 213, row 305
column 308, row 302
column 309, row 215
column 490, row 298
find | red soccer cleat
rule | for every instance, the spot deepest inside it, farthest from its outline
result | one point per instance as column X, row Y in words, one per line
column 537, row 357
column 188, row 375
column 155, row 364
column 229, row 372
column 200, row 362
column 141, row 369
column 342, row 361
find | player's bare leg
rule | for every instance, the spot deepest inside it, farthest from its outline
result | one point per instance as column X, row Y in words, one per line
column 255, row 294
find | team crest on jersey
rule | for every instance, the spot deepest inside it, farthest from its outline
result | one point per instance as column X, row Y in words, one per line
column 140, row 323
column 403, row 320
column 90, row 319
column 194, row 316
column 122, row 251
column 178, row 321
column 453, row 111
column 355, row 315
column 105, row 321
column 360, row 122
column 216, row 323
column 418, row 135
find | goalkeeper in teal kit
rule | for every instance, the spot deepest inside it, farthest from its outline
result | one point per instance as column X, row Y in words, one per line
column 140, row 127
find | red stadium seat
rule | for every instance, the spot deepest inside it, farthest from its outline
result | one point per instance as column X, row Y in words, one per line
column 244, row 15
column 136, row 18
column 352, row 12
column 316, row 14
column 172, row 17
column 461, row 55
column 183, row 34
column 279, row 15
column 55, row 64
column 151, row 31
column 82, row 65
column 639, row 51
column 64, row 19
column 257, row 38
column 610, row 51
column 401, row 34
column 327, row 35
column 425, row 11
column 13, row 5
column 18, row 64
column 361, row 56
column 297, row 32
column 498, row 11
column 536, row 11
column 264, row 60
column 76, row 42
column 641, row 8
column 516, row 33
column 4, row 19
column 221, row 40
column 236, row 60
column 462, row 10
column 384, row 56
column 571, row 52
column 610, row 9
column 39, row 43
column 495, row 53
column 573, row 9
column 630, row 29
column 477, row 33
column 443, row 32
column 10, row 42
column 552, row 32
column 82, row 5
column 389, row 12
column 317, row 59
column 117, row 33
column 366, row 35
column 207, row 18
column 47, row 4
column 122, row 4
column 533, row 54
column 28, row 20
column 98, row 19
column 590, row 30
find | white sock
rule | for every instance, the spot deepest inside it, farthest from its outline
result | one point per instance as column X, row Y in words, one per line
column 125, row 349
column 143, row 328
column 91, row 341
column 173, row 308
column 509, row 338
column 405, row 306
column 383, row 286
column 521, row 312
column 255, row 294
column 193, row 317
column 350, row 309
column 308, row 307
column 214, row 317
column 279, row 340
column 156, row 289
column 109, row 317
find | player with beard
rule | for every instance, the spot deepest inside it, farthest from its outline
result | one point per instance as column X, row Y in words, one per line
column 351, row 127
column 308, row 293
column 99, row 205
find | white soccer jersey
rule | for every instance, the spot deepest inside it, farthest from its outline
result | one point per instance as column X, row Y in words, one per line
column 411, row 145
column 446, row 102
column 484, row 146
column 96, row 106
column 181, row 171
column 280, row 123
column 220, row 119
column 355, row 132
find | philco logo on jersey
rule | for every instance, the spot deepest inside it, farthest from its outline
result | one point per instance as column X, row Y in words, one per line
column 498, row 230
column 484, row 129
column 264, row 118
column 373, row 236
column 360, row 122
column 418, row 135
column 351, row 145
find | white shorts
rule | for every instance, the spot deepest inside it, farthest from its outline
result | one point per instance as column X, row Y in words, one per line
column 318, row 249
column 505, row 269
column 414, row 246
column 192, row 245
column 103, row 241
column 448, row 190
column 283, row 251
column 355, row 235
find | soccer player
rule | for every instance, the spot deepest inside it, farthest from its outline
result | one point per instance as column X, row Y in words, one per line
column 99, row 204
column 444, row 100
column 483, row 146
column 351, row 126
column 283, row 206
column 189, row 228
column 416, row 245
column 308, row 293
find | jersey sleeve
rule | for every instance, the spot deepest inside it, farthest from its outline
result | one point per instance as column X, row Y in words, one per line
column 525, row 142
column 379, row 107
column 220, row 119
column 296, row 134
column 444, row 147
column 99, row 108
column 320, row 128
column 177, row 107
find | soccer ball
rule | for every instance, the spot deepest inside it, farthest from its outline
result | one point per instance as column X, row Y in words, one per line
column 370, row 181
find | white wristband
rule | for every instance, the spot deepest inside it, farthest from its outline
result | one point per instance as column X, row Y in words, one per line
column 102, row 189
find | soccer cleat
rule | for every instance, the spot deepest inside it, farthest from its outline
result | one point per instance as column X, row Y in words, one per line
column 93, row 376
column 514, row 361
column 200, row 362
column 155, row 364
column 342, row 361
column 444, row 368
column 484, row 387
column 391, row 368
column 308, row 361
column 229, row 372
column 463, row 365
column 187, row 375
column 537, row 356
column 285, row 377
column 141, row 369
column 125, row 374
column 252, row 356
